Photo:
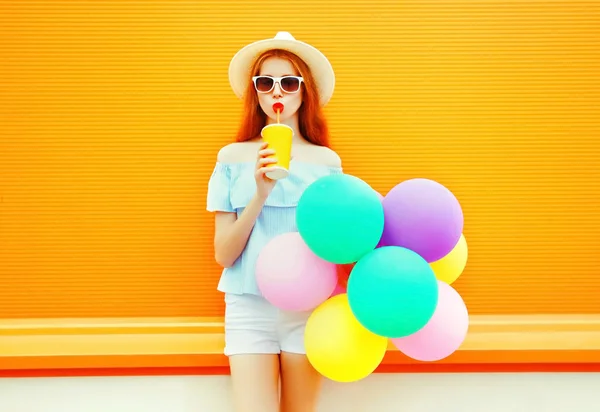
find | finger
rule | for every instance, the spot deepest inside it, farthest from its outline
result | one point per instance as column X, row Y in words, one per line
column 267, row 160
column 266, row 152
column 263, row 170
column 263, row 146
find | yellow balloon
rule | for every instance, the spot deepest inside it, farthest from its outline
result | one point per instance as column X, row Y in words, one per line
column 451, row 266
column 338, row 346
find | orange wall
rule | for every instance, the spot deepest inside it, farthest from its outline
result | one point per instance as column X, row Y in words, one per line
column 112, row 113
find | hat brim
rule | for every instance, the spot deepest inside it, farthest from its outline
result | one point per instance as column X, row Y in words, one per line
column 320, row 67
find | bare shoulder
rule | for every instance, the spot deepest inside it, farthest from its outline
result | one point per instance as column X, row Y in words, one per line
column 325, row 156
column 238, row 152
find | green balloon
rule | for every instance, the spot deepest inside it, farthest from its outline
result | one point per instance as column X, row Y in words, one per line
column 393, row 291
column 340, row 218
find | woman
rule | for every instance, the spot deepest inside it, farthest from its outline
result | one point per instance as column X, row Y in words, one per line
column 262, row 342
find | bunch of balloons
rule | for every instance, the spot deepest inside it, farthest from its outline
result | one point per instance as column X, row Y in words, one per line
column 406, row 249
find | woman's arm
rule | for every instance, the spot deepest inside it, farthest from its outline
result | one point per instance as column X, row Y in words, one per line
column 232, row 234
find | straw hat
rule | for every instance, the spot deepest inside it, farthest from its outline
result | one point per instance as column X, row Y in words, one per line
column 241, row 63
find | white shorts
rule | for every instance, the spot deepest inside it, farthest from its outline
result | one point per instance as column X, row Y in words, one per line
column 253, row 325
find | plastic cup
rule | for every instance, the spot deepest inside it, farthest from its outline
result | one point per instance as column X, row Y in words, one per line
column 279, row 138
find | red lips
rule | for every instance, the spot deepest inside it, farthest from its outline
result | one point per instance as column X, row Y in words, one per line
column 278, row 107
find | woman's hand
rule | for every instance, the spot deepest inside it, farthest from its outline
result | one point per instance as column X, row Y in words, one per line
column 264, row 185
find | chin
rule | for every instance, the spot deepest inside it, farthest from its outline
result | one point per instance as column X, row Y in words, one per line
column 281, row 116
column 287, row 114
column 273, row 116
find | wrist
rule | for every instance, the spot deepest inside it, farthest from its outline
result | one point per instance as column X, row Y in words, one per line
column 260, row 197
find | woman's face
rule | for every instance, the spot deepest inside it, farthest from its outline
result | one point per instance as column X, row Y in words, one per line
column 279, row 67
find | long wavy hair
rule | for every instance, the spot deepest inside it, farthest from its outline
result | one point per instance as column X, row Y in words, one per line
column 311, row 120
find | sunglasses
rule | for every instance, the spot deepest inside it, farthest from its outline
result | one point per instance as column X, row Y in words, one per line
column 289, row 84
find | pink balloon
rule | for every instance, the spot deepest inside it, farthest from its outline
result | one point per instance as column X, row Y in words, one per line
column 291, row 277
column 339, row 289
column 445, row 331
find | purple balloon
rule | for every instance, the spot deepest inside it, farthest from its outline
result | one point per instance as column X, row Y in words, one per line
column 423, row 216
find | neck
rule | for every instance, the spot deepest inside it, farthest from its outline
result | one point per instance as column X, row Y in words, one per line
column 291, row 122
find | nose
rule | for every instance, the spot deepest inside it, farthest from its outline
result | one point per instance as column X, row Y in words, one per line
column 277, row 92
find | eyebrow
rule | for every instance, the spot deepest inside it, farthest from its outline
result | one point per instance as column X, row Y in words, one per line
column 283, row 75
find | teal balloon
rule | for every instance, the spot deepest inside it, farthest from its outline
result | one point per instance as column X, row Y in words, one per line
column 392, row 291
column 340, row 218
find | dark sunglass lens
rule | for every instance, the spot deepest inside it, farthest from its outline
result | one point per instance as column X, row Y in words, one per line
column 264, row 84
column 290, row 84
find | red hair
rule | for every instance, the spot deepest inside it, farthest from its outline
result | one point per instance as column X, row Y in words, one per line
column 311, row 119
